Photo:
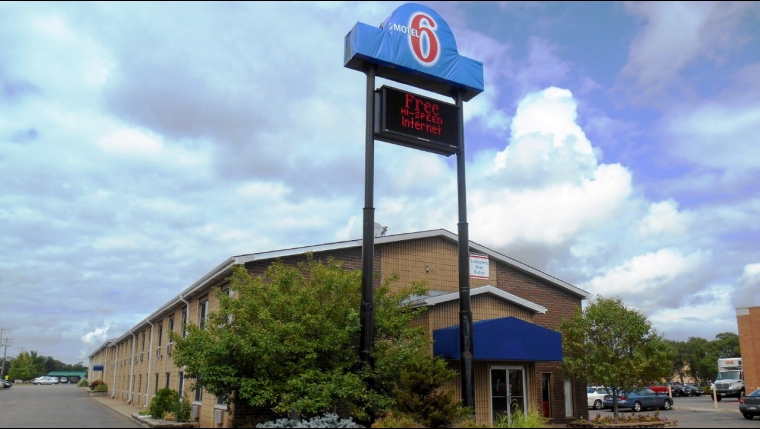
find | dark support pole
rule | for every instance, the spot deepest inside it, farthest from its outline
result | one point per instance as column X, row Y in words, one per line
column 465, row 311
column 367, row 315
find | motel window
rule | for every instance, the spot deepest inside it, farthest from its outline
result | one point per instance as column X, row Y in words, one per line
column 198, row 393
column 184, row 322
column 156, row 384
column 167, row 379
column 171, row 324
column 143, row 341
column 203, row 312
column 181, row 385
column 160, row 333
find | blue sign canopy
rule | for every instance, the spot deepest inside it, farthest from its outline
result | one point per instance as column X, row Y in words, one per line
column 414, row 46
column 507, row 338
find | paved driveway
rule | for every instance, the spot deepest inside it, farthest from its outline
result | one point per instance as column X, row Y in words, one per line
column 58, row 405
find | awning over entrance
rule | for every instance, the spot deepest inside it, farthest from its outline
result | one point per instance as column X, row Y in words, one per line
column 507, row 338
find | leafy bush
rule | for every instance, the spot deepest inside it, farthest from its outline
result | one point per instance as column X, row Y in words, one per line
column 329, row 420
column 101, row 388
column 167, row 405
column 165, row 401
column 397, row 420
column 83, row 382
column 183, row 409
column 533, row 419
column 96, row 383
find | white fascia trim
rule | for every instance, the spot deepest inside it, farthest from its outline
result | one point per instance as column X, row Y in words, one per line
column 506, row 296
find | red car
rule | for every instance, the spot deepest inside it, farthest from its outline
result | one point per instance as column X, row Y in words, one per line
column 658, row 388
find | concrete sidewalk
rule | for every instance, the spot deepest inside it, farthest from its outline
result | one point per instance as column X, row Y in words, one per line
column 119, row 406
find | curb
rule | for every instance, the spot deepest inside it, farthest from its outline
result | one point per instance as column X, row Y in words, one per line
column 707, row 410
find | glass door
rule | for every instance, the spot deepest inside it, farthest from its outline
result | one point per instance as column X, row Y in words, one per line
column 507, row 392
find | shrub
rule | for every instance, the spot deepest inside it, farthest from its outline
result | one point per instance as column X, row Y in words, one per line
column 397, row 420
column 164, row 402
column 421, row 396
column 183, row 409
column 96, row 383
column 329, row 420
column 83, row 382
column 533, row 419
column 101, row 388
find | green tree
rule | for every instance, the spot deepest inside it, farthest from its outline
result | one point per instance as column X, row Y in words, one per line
column 611, row 344
column 726, row 344
column 288, row 342
column 22, row 367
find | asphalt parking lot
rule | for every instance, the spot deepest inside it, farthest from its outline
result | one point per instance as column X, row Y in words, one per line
column 700, row 412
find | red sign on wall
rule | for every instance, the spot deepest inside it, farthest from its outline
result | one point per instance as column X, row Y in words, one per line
column 409, row 119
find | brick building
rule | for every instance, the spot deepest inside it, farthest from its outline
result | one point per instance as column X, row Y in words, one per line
column 748, row 319
column 515, row 309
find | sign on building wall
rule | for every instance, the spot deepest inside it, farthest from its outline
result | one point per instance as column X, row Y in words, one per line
column 479, row 267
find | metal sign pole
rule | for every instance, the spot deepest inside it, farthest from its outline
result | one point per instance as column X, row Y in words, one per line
column 465, row 311
column 367, row 315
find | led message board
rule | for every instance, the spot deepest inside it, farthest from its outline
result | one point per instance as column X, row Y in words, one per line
column 409, row 119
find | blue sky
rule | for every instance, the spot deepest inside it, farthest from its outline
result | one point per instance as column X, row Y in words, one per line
column 615, row 146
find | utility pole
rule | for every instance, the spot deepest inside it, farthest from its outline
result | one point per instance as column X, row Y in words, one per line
column 4, row 343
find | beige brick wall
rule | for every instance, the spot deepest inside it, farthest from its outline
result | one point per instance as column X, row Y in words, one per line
column 433, row 260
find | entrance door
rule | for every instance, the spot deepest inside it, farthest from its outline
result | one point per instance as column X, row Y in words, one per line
column 507, row 391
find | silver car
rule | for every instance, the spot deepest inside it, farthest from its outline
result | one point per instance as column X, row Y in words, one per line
column 595, row 395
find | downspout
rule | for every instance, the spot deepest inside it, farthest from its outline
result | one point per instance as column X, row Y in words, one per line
column 184, row 323
column 132, row 368
column 115, row 369
column 187, row 312
column 150, row 361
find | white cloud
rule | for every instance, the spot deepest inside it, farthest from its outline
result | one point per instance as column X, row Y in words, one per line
column 549, row 164
column 717, row 135
column 95, row 337
column 664, row 220
column 648, row 275
column 678, row 33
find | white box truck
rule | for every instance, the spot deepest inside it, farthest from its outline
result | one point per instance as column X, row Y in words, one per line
column 730, row 381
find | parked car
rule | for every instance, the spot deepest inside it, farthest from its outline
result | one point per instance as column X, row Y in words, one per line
column 695, row 390
column 658, row 388
column 640, row 399
column 6, row 384
column 679, row 390
column 38, row 379
column 749, row 405
column 595, row 395
column 74, row 379
column 56, row 380
column 47, row 380
column 64, row 379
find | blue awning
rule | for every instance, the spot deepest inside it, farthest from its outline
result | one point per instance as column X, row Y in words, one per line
column 507, row 338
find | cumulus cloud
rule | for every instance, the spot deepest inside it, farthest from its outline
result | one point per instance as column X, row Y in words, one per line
column 747, row 294
column 95, row 337
column 548, row 163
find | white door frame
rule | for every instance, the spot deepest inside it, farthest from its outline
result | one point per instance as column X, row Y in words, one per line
column 506, row 368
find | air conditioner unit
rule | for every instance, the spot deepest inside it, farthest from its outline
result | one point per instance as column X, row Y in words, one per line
column 196, row 412
column 217, row 417
column 169, row 349
column 141, row 356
